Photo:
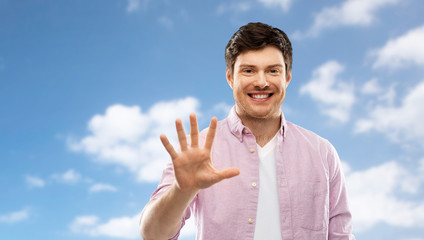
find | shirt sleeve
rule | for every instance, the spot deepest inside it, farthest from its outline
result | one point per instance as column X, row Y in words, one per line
column 167, row 180
column 340, row 218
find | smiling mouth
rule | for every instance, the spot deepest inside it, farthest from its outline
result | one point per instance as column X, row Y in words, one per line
column 260, row 96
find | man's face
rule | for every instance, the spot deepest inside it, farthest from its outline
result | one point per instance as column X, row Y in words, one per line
column 259, row 83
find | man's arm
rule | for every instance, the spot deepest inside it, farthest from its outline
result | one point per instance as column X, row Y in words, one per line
column 340, row 222
column 162, row 217
column 193, row 171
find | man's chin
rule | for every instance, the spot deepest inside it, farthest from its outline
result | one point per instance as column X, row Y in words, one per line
column 262, row 115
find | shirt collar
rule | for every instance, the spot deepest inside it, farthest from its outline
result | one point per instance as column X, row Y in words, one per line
column 238, row 129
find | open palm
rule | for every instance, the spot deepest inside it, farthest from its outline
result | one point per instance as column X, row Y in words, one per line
column 193, row 166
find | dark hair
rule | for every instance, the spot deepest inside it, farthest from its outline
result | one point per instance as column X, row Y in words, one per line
column 256, row 36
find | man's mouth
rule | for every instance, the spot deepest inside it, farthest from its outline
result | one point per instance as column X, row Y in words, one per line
column 260, row 95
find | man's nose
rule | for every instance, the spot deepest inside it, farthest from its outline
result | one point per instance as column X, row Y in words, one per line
column 261, row 80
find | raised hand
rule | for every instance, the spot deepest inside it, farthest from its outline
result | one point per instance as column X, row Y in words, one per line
column 193, row 166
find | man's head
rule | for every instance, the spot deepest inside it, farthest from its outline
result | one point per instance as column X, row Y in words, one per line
column 259, row 70
column 256, row 36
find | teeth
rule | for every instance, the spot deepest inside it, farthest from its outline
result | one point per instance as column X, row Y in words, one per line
column 260, row 96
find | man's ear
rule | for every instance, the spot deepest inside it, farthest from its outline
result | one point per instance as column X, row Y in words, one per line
column 230, row 80
column 288, row 78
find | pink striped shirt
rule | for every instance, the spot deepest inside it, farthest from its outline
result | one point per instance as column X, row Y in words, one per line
column 311, row 186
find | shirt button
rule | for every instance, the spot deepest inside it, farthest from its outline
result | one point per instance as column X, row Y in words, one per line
column 250, row 221
column 254, row 184
column 252, row 150
column 239, row 136
column 246, row 131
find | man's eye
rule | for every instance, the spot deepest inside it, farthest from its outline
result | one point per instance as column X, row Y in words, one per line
column 274, row 71
column 248, row 70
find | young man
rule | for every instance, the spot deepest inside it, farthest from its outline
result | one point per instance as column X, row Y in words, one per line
column 279, row 181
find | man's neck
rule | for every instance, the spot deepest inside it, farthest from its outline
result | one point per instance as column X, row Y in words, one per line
column 264, row 129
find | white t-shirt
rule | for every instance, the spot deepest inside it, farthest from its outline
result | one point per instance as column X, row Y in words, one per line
column 268, row 215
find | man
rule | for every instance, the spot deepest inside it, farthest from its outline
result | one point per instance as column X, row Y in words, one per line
column 279, row 181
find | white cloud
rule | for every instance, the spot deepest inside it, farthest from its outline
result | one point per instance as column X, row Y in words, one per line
column 371, row 87
column 69, row 177
column 221, row 109
column 133, row 5
column 348, row 13
column 128, row 137
column 102, row 187
column 400, row 124
column 373, row 197
column 236, row 7
column 233, row 7
column 14, row 217
column 335, row 96
column 402, row 51
column 386, row 94
column 122, row 227
column 284, row 4
column 389, row 96
column 34, row 181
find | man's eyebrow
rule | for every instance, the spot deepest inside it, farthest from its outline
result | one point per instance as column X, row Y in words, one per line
column 270, row 66
column 275, row 65
column 246, row 65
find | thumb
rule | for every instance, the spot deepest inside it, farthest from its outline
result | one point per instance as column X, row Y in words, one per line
column 228, row 173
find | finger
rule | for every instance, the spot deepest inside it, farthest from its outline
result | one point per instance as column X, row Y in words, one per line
column 228, row 173
column 194, row 131
column 168, row 146
column 211, row 133
column 181, row 134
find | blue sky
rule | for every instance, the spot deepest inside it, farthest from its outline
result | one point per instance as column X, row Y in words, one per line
column 86, row 87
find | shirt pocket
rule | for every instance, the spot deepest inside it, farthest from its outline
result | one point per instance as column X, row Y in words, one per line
column 313, row 205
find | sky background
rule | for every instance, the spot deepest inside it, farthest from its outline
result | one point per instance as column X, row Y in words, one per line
column 86, row 87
